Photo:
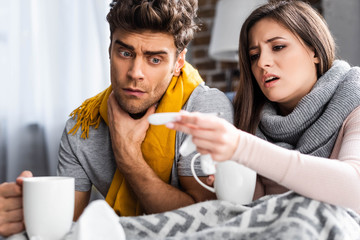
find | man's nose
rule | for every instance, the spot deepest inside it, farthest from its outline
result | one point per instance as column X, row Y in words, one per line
column 136, row 69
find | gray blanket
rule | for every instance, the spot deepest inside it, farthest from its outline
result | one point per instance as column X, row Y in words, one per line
column 285, row 216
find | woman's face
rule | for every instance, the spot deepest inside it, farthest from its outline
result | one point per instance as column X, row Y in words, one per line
column 284, row 67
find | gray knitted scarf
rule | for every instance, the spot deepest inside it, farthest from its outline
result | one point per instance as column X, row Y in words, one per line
column 312, row 127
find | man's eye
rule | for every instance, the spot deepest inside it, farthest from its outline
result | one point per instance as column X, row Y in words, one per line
column 155, row 60
column 253, row 57
column 125, row 54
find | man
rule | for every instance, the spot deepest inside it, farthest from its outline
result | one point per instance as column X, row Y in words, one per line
column 11, row 214
column 136, row 166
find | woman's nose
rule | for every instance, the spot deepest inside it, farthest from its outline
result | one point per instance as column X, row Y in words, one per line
column 265, row 60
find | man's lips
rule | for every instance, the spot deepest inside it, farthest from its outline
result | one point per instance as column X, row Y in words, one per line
column 133, row 92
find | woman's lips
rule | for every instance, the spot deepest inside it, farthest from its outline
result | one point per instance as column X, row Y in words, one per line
column 270, row 83
column 269, row 80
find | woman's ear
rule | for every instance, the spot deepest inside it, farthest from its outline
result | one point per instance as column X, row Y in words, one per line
column 316, row 59
column 180, row 63
column 313, row 53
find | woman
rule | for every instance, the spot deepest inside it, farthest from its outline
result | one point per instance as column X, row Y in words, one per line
column 301, row 104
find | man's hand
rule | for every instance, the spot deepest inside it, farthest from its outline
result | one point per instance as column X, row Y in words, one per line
column 11, row 212
column 127, row 134
column 154, row 195
column 210, row 180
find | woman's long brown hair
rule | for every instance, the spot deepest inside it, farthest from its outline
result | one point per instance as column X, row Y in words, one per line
column 305, row 23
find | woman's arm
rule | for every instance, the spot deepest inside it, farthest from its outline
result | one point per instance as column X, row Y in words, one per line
column 336, row 181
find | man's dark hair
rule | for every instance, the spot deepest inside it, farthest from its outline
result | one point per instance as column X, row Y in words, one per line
column 175, row 17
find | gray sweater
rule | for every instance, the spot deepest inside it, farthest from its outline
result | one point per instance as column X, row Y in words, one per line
column 91, row 161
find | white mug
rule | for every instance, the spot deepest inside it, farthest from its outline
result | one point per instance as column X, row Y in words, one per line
column 48, row 204
column 233, row 181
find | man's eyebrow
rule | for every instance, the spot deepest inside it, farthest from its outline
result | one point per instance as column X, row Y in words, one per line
column 149, row 53
column 267, row 41
column 161, row 52
column 124, row 45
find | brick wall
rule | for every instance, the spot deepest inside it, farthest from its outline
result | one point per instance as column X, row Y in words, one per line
column 213, row 72
column 222, row 75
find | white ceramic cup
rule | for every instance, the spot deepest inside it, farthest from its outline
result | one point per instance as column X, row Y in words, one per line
column 233, row 181
column 48, row 204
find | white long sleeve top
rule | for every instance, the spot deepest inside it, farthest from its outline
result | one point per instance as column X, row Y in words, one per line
column 335, row 180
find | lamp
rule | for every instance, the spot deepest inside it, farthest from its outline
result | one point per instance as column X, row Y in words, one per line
column 229, row 17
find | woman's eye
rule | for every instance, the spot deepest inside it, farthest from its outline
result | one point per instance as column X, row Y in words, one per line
column 155, row 60
column 278, row 47
column 253, row 57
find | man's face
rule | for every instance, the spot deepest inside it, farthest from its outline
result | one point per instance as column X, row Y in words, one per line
column 142, row 66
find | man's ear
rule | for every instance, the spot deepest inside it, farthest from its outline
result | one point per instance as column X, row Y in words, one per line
column 109, row 51
column 180, row 63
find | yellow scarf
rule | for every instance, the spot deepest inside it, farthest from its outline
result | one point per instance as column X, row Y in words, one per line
column 158, row 148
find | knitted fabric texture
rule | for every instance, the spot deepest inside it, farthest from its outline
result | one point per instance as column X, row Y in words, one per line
column 158, row 147
column 312, row 127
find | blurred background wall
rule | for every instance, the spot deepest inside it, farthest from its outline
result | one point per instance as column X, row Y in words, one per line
column 53, row 55
column 343, row 18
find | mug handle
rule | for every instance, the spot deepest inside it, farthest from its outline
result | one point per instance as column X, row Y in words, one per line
column 211, row 189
